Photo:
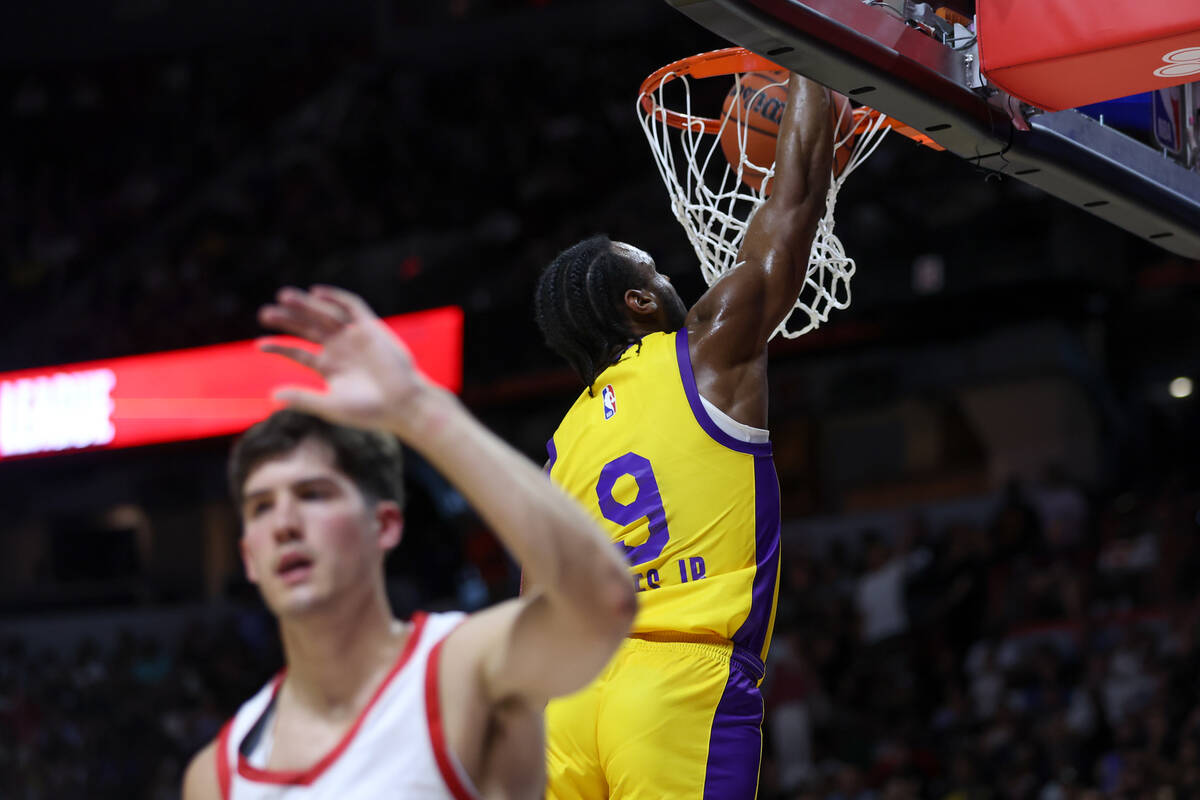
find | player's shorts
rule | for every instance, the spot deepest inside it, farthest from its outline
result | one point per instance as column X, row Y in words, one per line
column 665, row 719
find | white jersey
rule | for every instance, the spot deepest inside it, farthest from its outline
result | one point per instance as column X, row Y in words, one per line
column 395, row 749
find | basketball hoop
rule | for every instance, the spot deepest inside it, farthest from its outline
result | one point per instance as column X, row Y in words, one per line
column 713, row 199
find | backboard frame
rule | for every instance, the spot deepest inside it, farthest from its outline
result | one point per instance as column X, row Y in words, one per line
column 869, row 53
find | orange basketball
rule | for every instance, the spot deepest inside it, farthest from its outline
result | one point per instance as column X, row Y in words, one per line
column 760, row 113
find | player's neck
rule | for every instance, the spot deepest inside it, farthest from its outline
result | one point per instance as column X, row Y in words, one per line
column 334, row 658
column 644, row 326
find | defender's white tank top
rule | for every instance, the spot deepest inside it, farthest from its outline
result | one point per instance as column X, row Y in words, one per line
column 395, row 749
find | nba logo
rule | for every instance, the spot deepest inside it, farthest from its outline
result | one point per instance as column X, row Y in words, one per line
column 610, row 401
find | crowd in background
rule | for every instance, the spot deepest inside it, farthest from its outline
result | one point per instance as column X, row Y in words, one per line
column 1050, row 651
column 197, row 183
column 123, row 723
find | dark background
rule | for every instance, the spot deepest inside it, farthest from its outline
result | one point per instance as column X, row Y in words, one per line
column 989, row 470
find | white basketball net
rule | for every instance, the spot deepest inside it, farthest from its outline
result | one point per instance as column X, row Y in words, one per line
column 714, row 205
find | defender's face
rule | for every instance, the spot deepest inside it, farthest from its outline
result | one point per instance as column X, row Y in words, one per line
column 309, row 536
column 674, row 310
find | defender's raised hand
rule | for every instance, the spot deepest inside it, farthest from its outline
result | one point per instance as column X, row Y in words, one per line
column 369, row 373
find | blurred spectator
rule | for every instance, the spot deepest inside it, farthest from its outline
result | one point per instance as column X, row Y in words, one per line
column 880, row 593
column 791, row 692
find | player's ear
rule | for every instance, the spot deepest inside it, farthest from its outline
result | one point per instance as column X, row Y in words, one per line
column 389, row 520
column 247, row 562
column 641, row 301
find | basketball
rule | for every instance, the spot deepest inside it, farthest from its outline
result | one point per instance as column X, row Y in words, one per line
column 761, row 98
column 756, row 102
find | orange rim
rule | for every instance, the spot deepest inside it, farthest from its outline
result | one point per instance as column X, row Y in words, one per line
column 731, row 61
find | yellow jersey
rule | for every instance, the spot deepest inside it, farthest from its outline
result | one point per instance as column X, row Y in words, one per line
column 694, row 509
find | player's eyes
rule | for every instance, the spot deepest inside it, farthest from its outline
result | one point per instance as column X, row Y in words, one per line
column 257, row 508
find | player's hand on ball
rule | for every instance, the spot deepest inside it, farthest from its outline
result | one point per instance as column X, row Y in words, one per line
column 370, row 378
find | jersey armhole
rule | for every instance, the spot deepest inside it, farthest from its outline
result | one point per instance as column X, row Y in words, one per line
column 453, row 775
column 697, row 403
column 738, row 430
column 224, row 776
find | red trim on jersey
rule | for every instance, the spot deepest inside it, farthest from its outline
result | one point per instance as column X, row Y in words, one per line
column 433, row 714
column 305, row 777
column 224, row 776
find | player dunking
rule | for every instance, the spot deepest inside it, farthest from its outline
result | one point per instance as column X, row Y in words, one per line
column 369, row 707
column 667, row 447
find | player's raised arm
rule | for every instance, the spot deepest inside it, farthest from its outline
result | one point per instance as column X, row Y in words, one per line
column 731, row 324
column 548, row 644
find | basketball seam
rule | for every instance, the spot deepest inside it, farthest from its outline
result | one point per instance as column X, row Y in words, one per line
column 772, row 82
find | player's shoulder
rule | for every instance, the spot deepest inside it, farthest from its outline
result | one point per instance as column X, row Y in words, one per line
column 641, row 361
column 200, row 780
column 468, row 633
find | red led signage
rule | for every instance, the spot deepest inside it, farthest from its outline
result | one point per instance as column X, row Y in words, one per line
column 183, row 394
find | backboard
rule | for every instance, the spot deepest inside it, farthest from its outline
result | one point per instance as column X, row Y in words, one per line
column 903, row 59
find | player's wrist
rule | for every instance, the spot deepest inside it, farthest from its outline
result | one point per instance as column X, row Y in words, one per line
column 422, row 420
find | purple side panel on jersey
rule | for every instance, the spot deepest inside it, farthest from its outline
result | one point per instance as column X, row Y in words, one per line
column 552, row 451
column 735, row 742
column 753, row 633
column 684, row 357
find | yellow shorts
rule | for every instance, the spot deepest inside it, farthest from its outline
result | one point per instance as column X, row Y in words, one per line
column 664, row 720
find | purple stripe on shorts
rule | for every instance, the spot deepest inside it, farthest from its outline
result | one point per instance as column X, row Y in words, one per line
column 552, row 451
column 752, row 635
column 735, row 743
column 684, row 356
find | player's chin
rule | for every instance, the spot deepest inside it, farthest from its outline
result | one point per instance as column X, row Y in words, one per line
column 295, row 602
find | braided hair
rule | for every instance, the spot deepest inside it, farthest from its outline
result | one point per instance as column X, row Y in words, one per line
column 578, row 306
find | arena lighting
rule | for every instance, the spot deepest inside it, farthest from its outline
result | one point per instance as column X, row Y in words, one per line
column 182, row 394
column 1181, row 387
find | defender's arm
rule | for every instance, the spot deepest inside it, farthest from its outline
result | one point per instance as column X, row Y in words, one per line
column 557, row 638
